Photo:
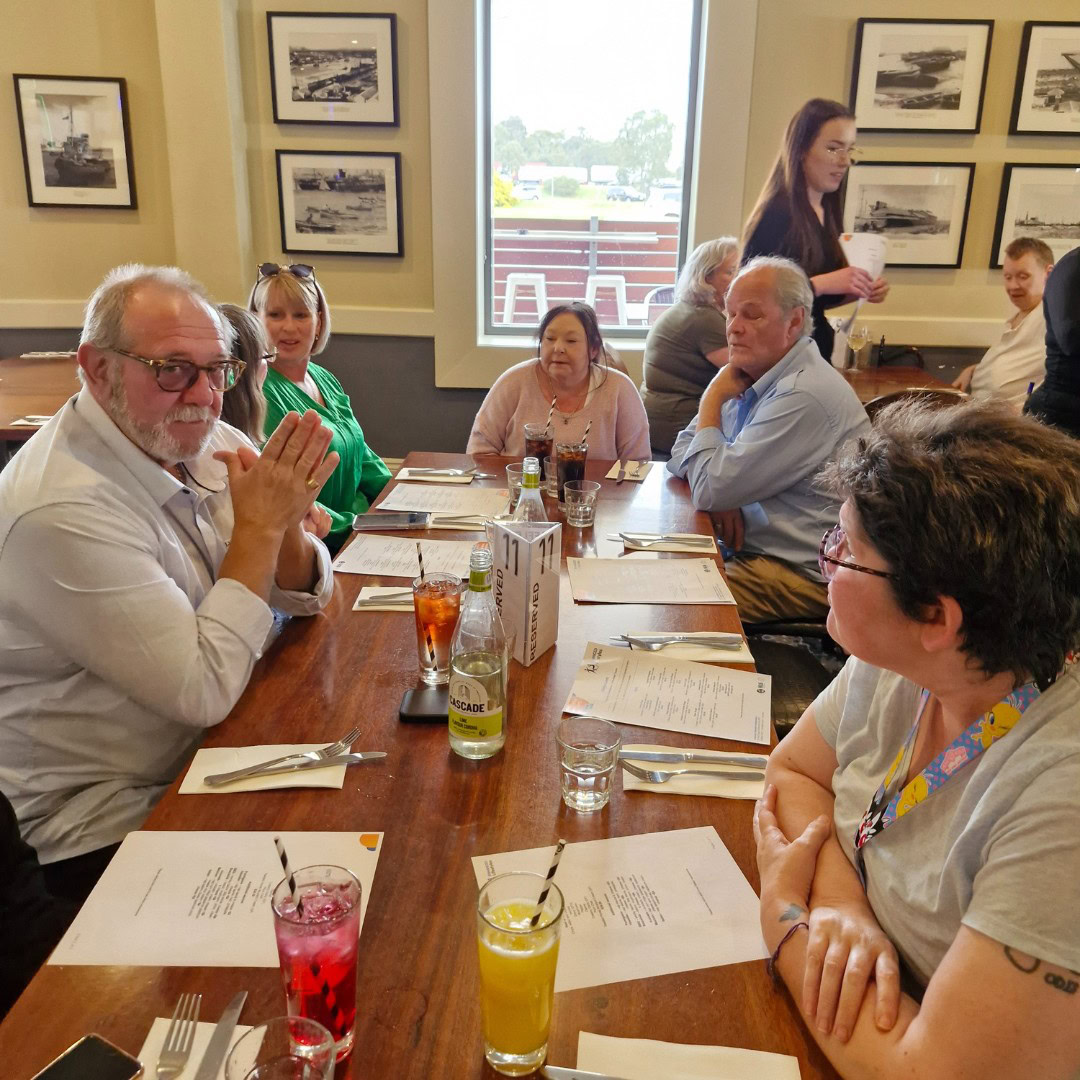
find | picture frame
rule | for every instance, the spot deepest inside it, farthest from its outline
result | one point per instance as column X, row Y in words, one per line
column 1047, row 96
column 334, row 202
column 920, row 207
column 1042, row 201
column 333, row 68
column 76, row 141
column 920, row 75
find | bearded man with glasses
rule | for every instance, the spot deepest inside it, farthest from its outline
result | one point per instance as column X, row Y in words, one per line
column 142, row 547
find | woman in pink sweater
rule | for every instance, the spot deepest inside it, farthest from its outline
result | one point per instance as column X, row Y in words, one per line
column 571, row 369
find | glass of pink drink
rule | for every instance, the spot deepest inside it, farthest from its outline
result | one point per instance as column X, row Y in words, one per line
column 317, row 947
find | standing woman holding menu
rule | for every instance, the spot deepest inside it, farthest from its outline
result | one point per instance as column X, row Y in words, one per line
column 799, row 213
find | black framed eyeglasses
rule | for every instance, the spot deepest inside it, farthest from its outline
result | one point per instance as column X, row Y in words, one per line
column 834, row 539
column 176, row 376
column 298, row 270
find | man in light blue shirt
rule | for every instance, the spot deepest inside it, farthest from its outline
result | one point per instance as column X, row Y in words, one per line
column 766, row 424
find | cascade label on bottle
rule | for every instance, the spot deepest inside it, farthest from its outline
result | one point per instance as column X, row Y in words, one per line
column 476, row 695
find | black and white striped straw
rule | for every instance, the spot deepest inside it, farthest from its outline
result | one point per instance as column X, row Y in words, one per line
column 585, row 437
column 551, row 413
column 324, row 987
column 427, row 629
column 420, row 559
column 547, row 884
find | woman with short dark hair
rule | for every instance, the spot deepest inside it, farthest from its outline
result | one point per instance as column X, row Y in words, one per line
column 930, row 790
column 571, row 380
column 800, row 211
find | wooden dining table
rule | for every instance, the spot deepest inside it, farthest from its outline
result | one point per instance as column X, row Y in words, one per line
column 873, row 382
column 418, row 999
column 33, row 386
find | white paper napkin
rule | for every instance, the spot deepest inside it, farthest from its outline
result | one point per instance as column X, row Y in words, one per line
column 155, row 1039
column 687, row 785
column 219, row 759
column 646, row 1059
column 635, row 471
column 643, row 544
column 464, row 524
column 742, row 655
column 370, row 591
column 432, row 478
column 25, row 421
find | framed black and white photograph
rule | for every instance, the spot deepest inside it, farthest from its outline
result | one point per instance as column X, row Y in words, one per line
column 924, row 75
column 920, row 208
column 327, row 68
column 1047, row 97
column 1040, row 201
column 76, row 141
column 335, row 203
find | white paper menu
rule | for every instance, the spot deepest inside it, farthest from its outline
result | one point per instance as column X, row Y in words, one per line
column 645, row 905
column 395, row 556
column 201, row 899
column 482, row 502
column 648, row 690
column 663, row 581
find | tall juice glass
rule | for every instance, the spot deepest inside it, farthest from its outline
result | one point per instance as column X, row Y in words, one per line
column 317, row 947
column 517, row 970
column 436, row 606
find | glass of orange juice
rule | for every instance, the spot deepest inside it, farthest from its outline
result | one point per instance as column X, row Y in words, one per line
column 517, row 970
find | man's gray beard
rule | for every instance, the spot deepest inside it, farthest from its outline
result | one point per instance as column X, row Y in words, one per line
column 155, row 439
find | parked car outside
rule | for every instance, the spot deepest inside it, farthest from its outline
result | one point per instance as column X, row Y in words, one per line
column 526, row 191
column 618, row 193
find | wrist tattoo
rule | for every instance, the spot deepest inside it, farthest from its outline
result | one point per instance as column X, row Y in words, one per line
column 793, row 912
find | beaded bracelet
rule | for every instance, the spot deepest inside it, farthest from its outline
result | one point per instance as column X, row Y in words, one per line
column 770, row 964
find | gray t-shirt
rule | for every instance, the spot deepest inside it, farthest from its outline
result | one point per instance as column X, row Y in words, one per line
column 675, row 369
column 996, row 848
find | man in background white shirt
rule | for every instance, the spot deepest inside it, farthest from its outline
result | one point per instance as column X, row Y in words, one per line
column 142, row 544
column 1018, row 360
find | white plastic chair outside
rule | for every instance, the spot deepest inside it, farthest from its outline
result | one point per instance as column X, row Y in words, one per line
column 516, row 281
column 608, row 281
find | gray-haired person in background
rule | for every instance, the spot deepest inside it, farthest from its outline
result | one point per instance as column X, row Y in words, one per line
column 688, row 342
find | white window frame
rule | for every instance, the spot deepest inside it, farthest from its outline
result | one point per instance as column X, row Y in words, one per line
column 464, row 357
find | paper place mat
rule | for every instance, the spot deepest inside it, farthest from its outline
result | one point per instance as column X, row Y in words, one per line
column 742, row 655
column 427, row 498
column 395, row 556
column 155, row 1039
column 427, row 478
column 688, row 785
column 640, row 581
column 219, row 759
column 635, row 470
column 370, row 591
column 646, row 1059
column 670, row 545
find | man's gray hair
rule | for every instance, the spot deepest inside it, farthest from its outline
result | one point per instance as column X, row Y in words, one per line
column 702, row 261
column 103, row 325
column 791, row 286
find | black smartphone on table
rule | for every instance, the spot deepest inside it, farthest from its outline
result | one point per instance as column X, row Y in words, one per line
column 92, row 1058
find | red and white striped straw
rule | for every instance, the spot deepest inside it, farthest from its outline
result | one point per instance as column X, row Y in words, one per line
column 547, row 884
column 551, row 413
column 585, row 437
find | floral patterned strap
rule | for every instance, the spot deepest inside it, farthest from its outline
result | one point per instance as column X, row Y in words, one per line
column 964, row 749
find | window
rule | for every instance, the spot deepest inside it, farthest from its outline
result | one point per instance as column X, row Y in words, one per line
column 588, row 111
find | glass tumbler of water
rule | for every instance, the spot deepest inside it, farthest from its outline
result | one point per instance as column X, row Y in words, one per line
column 588, row 753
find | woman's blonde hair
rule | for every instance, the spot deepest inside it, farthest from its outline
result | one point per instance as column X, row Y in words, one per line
column 703, row 260
column 290, row 287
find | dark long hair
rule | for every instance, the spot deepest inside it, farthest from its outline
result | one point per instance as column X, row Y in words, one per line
column 786, row 185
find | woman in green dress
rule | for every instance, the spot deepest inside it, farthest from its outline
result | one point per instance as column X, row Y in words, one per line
column 293, row 308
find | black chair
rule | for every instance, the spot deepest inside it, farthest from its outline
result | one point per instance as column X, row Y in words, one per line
column 797, row 678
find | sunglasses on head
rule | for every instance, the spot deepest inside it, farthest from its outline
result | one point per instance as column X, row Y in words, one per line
column 298, row 270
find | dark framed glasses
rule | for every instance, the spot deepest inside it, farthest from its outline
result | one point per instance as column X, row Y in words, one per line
column 176, row 376
column 298, row 270
column 831, row 543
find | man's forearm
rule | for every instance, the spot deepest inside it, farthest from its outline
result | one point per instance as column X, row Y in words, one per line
column 297, row 566
column 252, row 558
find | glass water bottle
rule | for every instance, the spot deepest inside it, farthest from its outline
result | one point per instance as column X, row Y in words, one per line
column 530, row 507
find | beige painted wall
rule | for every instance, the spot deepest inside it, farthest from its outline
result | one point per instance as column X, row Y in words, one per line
column 59, row 254
column 812, row 43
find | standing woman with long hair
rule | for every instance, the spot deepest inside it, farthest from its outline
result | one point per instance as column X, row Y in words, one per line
column 799, row 213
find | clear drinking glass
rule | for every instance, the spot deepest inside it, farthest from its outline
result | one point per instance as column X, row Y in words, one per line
column 537, row 441
column 580, row 499
column 517, row 970
column 513, row 483
column 436, row 604
column 286, row 1048
column 588, row 753
column 570, row 463
column 551, row 478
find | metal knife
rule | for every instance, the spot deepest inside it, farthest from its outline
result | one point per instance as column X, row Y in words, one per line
column 300, row 766
column 751, row 761
column 556, row 1072
column 686, row 639
column 218, row 1046
column 620, row 473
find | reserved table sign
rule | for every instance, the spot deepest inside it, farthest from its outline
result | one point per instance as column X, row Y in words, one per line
column 526, row 558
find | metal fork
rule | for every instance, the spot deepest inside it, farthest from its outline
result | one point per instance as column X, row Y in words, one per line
column 703, row 542
column 656, row 646
column 178, row 1039
column 655, row 776
column 333, row 750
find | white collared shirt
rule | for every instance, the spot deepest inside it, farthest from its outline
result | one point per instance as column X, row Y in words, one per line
column 118, row 644
column 1008, row 368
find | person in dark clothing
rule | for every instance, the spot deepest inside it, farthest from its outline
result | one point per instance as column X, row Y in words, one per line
column 32, row 920
column 799, row 213
column 1057, row 401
